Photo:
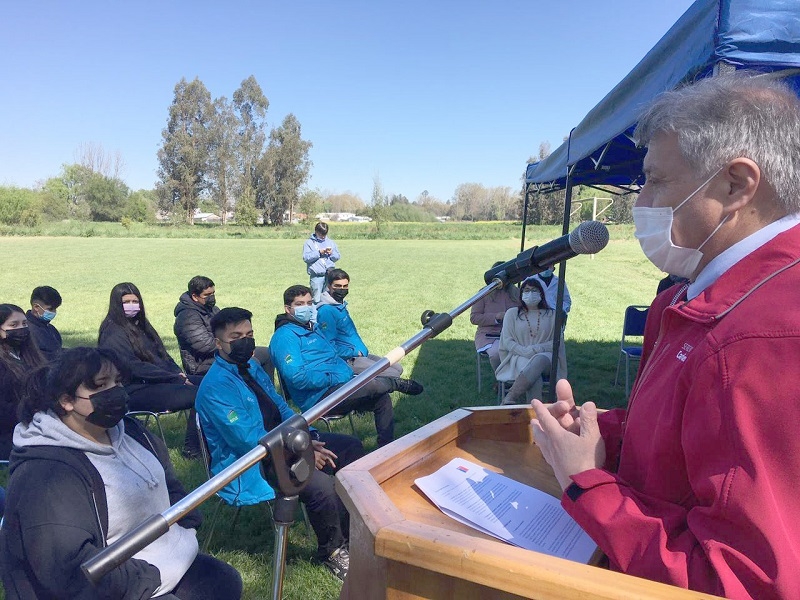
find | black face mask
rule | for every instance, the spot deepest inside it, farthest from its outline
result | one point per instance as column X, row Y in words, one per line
column 242, row 350
column 211, row 301
column 16, row 337
column 339, row 295
column 109, row 407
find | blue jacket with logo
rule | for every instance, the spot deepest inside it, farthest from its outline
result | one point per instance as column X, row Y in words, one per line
column 335, row 323
column 233, row 424
column 306, row 361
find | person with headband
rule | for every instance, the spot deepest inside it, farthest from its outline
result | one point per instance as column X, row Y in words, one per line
column 81, row 476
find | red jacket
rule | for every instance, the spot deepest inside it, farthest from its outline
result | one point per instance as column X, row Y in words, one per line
column 701, row 487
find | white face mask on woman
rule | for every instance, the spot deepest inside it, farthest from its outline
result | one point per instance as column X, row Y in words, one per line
column 531, row 298
column 654, row 232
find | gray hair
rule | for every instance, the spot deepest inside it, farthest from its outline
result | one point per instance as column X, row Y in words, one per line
column 729, row 116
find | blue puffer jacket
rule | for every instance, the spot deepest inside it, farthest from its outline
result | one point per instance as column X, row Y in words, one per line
column 306, row 361
column 232, row 424
column 334, row 322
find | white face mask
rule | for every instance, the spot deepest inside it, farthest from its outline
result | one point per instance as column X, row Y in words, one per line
column 654, row 232
column 531, row 299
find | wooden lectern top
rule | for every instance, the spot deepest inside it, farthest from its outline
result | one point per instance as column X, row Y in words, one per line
column 403, row 547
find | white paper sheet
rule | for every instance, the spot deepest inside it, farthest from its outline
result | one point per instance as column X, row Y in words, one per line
column 506, row 509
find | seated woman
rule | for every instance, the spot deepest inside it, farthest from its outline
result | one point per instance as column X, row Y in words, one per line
column 526, row 345
column 82, row 476
column 156, row 383
column 18, row 355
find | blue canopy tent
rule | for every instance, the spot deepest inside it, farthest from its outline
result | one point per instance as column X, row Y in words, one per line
column 712, row 36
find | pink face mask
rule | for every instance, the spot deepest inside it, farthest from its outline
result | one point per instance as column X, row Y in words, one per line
column 131, row 310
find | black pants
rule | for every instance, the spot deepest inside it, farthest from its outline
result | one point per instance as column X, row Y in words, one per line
column 207, row 579
column 329, row 518
column 373, row 397
column 160, row 397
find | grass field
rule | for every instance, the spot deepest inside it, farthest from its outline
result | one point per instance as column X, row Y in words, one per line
column 393, row 281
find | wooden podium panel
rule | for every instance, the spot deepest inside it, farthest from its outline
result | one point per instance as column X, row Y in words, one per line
column 403, row 547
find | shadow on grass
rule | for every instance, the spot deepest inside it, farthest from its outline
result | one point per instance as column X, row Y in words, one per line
column 447, row 369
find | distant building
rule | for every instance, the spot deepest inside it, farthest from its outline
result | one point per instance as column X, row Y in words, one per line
column 342, row 216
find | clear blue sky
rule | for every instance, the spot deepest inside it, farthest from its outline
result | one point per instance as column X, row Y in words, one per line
column 423, row 94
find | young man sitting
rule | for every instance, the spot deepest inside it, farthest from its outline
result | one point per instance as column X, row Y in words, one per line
column 238, row 405
column 335, row 323
column 310, row 369
column 45, row 301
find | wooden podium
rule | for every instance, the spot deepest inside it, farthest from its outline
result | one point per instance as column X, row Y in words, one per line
column 403, row 547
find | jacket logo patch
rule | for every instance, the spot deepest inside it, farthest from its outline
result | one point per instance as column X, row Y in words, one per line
column 683, row 353
column 233, row 417
column 288, row 359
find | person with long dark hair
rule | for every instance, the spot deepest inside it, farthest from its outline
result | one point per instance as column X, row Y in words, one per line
column 18, row 356
column 155, row 382
column 526, row 344
column 82, row 475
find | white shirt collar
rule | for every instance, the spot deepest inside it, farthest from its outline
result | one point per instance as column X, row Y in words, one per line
column 737, row 252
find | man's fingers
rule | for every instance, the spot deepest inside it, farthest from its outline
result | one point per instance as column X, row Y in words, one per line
column 547, row 422
column 564, row 392
column 589, row 426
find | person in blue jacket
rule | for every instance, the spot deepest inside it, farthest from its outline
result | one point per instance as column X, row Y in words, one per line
column 237, row 405
column 319, row 254
column 335, row 323
column 310, row 369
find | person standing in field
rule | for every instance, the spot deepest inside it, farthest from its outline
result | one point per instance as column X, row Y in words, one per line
column 319, row 253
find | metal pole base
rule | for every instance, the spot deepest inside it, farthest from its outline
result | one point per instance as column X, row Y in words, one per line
column 283, row 516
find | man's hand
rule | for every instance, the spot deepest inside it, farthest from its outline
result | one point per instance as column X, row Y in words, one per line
column 567, row 453
column 323, row 456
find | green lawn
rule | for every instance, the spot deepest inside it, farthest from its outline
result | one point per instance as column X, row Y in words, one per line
column 393, row 282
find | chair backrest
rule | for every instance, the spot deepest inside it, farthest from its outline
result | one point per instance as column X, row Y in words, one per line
column 633, row 325
column 204, row 451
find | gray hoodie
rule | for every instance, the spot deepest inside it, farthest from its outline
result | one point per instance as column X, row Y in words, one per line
column 135, row 486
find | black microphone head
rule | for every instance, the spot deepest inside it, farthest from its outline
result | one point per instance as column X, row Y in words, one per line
column 588, row 238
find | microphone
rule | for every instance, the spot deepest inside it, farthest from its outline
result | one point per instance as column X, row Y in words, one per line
column 587, row 238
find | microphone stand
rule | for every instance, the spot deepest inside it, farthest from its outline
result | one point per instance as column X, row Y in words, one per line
column 286, row 456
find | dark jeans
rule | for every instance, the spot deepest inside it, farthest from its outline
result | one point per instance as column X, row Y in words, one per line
column 372, row 397
column 160, row 397
column 329, row 518
column 207, row 579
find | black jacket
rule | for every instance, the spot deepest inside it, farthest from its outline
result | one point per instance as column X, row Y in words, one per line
column 113, row 337
column 9, row 399
column 195, row 338
column 56, row 518
column 45, row 335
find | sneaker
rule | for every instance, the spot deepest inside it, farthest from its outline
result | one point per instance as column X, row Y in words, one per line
column 409, row 387
column 338, row 562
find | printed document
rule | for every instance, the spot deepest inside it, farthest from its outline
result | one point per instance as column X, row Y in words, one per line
column 506, row 509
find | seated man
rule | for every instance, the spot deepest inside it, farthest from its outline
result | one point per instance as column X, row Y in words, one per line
column 237, row 405
column 45, row 301
column 192, row 327
column 310, row 369
column 487, row 313
column 695, row 484
column 335, row 323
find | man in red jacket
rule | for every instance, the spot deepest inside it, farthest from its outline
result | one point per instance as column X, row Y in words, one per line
column 695, row 484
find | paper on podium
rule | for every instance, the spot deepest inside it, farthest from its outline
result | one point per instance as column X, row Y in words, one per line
column 506, row 509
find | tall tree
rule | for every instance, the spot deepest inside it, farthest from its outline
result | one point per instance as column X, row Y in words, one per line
column 184, row 155
column 282, row 171
column 223, row 157
column 250, row 108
